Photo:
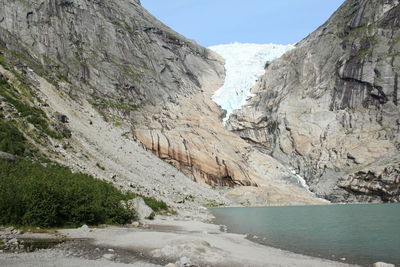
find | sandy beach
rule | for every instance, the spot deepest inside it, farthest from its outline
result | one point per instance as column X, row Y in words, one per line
column 159, row 243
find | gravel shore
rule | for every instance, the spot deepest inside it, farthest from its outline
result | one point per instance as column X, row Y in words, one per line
column 159, row 243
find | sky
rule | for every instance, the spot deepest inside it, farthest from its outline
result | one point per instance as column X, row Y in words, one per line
column 213, row 22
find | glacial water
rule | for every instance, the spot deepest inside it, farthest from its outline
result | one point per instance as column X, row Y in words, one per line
column 361, row 234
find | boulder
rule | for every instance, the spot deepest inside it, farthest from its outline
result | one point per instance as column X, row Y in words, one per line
column 109, row 257
column 61, row 118
column 138, row 206
column 7, row 156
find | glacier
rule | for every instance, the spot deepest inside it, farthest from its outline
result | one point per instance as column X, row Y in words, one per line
column 244, row 65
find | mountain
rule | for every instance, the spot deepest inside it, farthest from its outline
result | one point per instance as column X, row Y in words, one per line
column 105, row 79
column 76, row 72
column 330, row 107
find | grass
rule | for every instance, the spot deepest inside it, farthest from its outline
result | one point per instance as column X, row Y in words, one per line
column 105, row 103
column 356, row 32
column 52, row 196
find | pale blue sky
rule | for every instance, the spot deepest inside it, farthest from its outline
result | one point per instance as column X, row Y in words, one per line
column 212, row 22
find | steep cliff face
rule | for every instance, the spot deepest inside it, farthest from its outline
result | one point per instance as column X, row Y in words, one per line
column 330, row 107
column 108, row 49
column 65, row 66
column 150, row 84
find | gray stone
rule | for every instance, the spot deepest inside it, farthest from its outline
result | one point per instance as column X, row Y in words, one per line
column 13, row 241
column 138, row 206
column 109, row 256
column 62, row 118
column 135, row 224
column 7, row 156
column 84, row 228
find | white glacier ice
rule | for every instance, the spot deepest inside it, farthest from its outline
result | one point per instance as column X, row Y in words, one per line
column 244, row 64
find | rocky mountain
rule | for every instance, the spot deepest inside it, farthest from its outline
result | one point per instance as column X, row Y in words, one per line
column 330, row 107
column 106, row 76
column 74, row 72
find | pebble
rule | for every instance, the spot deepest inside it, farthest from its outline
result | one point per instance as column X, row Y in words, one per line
column 13, row 241
column 109, row 257
column 110, row 250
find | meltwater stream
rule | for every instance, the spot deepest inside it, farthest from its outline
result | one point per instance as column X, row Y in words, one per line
column 361, row 234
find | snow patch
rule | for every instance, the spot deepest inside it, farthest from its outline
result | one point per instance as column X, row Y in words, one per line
column 244, row 65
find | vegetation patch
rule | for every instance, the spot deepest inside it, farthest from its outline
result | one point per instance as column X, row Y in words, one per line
column 359, row 31
column 49, row 195
column 156, row 205
column 105, row 103
column 52, row 196
column 33, row 115
column 11, row 139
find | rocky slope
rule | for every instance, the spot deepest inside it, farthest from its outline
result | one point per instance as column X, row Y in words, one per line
column 330, row 107
column 107, row 72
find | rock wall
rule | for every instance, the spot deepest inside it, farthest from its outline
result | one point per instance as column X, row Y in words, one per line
column 113, row 51
column 330, row 107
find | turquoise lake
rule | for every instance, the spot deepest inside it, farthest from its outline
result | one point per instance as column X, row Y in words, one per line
column 361, row 234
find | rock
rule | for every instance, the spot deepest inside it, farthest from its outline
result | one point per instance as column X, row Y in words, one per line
column 110, row 250
column 183, row 262
column 135, row 224
column 171, row 265
column 382, row 264
column 139, row 206
column 61, row 118
column 16, row 232
column 13, row 241
column 109, row 257
column 84, row 228
column 9, row 230
column 7, row 156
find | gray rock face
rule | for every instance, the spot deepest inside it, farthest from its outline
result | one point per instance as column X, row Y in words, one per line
column 113, row 51
column 330, row 107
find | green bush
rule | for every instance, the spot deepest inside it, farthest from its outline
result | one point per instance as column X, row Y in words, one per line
column 156, row 205
column 53, row 196
column 11, row 139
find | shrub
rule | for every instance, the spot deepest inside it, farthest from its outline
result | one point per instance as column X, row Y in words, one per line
column 53, row 196
column 11, row 139
column 156, row 205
